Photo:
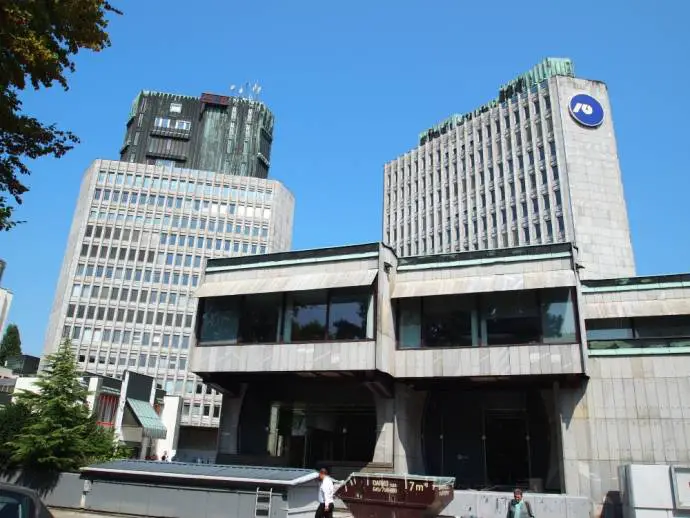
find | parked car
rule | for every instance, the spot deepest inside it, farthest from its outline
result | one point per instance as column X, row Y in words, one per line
column 21, row 502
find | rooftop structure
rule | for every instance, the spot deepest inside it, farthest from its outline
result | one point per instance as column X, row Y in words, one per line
column 225, row 134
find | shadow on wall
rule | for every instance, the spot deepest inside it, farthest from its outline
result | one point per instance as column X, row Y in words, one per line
column 43, row 482
column 570, row 399
column 613, row 506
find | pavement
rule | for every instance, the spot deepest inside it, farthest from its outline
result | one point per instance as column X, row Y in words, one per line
column 71, row 513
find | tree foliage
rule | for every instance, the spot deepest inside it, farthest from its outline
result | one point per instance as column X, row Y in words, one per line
column 62, row 433
column 38, row 41
column 13, row 418
column 11, row 344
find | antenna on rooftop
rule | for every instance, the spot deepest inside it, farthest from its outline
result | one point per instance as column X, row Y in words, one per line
column 248, row 90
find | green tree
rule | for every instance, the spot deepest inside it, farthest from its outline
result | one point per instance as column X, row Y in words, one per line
column 11, row 344
column 62, row 433
column 38, row 41
column 13, row 418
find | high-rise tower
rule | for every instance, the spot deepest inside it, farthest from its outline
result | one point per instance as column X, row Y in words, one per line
column 536, row 165
column 191, row 186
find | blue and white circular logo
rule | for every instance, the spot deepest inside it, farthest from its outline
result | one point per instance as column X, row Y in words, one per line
column 586, row 110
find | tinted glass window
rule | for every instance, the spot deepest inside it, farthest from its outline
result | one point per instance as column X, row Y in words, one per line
column 307, row 317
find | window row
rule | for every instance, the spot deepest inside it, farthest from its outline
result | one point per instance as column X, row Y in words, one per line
column 166, row 220
column 506, row 318
column 510, row 107
column 191, row 241
column 213, row 244
column 639, row 333
column 483, row 226
column 116, row 233
column 166, row 123
column 129, row 316
column 528, row 186
column 199, row 410
column 309, row 316
column 532, row 206
column 113, row 252
column 145, row 275
column 152, row 361
column 225, row 192
column 132, row 295
column 169, row 202
column 86, row 335
column 481, row 174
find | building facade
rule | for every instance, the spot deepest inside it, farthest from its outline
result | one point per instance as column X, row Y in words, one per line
column 501, row 368
column 537, row 165
column 143, row 417
column 5, row 300
column 226, row 134
column 137, row 246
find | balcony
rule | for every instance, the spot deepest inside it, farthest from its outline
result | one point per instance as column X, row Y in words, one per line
column 304, row 328
column 490, row 362
column 492, row 334
column 171, row 133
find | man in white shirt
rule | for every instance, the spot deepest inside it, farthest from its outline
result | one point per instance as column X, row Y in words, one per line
column 326, row 491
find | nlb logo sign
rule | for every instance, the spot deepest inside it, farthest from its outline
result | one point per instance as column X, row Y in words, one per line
column 586, row 110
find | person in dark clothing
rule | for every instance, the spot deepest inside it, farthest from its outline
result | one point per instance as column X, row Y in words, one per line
column 519, row 508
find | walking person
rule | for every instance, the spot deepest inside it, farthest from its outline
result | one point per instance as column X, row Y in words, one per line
column 326, row 495
column 519, row 508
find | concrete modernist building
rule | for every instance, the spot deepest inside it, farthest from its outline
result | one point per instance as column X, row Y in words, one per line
column 501, row 368
column 536, row 165
column 135, row 253
column 212, row 133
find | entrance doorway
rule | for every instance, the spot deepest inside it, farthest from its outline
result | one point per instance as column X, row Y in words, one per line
column 506, row 443
column 492, row 439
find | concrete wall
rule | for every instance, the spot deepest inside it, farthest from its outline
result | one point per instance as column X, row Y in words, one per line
column 614, row 303
column 69, row 491
column 69, row 263
column 632, row 410
column 173, row 502
column 489, row 504
column 325, row 356
column 172, row 408
column 489, row 361
column 487, row 275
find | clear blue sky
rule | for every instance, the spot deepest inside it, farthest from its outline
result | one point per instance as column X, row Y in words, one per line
column 351, row 85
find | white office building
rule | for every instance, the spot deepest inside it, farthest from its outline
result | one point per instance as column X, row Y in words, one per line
column 536, row 165
column 5, row 300
column 136, row 250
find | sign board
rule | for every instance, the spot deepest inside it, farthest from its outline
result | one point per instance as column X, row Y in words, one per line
column 220, row 100
column 680, row 477
column 586, row 110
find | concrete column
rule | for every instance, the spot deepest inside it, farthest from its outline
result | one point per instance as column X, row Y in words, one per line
column 385, row 430
column 228, row 428
column 172, row 408
column 409, row 413
column 576, row 441
column 94, row 389
column 145, row 443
